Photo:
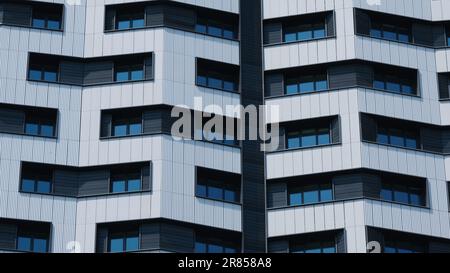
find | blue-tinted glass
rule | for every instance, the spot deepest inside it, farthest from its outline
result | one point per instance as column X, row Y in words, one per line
column 229, row 86
column 306, row 87
column 415, row 199
column 313, row 251
column 31, row 129
column 132, row 243
column 291, row 89
column 116, row 245
column 326, row 195
column 319, row 33
column 396, row 138
column 230, row 196
column 230, row 250
column 35, row 75
column 137, row 23
column 382, row 138
column 305, row 35
column 290, row 37
column 215, row 248
column 215, row 193
column 324, row 138
column 403, row 38
column 40, row 245
column 134, row 185
column 215, row 83
column 407, row 89
column 215, row 31
column 404, row 251
column 120, row 130
column 137, row 75
column 388, row 249
column 293, row 141
column 400, row 196
column 328, row 250
column 386, row 194
column 375, row 33
column 390, row 35
column 53, row 24
column 229, row 34
column 27, row 185
column 411, row 143
column 308, row 139
column 311, row 197
column 378, row 84
column 47, row 130
column 448, row 41
column 50, row 76
column 135, row 129
column 200, row 28
column 23, row 243
column 43, row 186
column 201, row 190
column 200, row 247
column 124, row 24
column 295, row 199
column 321, row 85
column 393, row 86
column 122, row 76
column 118, row 186
column 39, row 23
column 201, row 80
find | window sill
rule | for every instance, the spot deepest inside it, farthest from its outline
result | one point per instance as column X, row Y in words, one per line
column 218, row 200
column 300, row 41
column 91, row 85
column 26, row 135
column 223, row 90
column 87, row 196
column 31, row 27
column 305, row 148
column 343, row 88
column 404, row 148
column 400, row 42
column 169, row 27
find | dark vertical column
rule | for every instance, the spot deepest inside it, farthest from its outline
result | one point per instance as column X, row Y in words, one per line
column 253, row 175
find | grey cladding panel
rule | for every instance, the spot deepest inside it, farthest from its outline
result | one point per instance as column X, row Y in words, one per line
column 150, row 236
column 93, row 182
column 177, row 238
column 154, row 15
column 71, row 72
column 147, row 177
column 101, row 244
column 362, row 22
column 274, row 85
column 277, row 195
column 336, row 130
column 12, row 121
column 98, row 72
column 331, row 29
column 8, row 234
column 17, row 14
column 368, row 128
column 65, row 183
column 179, row 17
column 273, row 33
column 443, row 86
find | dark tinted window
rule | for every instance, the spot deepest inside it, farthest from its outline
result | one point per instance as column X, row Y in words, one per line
column 304, row 32
column 403, row 192
column 398, row 137
column 48, row 18
column 310, row 194
column 36, row 180
column 218, row 185
column 126, row 180
column 124, row 241
column 308, row 137
column 130, row 18
column 216, row 28
column 217, row 75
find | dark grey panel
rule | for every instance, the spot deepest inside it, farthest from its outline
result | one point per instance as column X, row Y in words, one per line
column 431, row 139
column 1, row 13
column 368, row 128
column 445, row 141
column 278, row 246
column 12, row 121
column 348, row 186
column 362, row 22
column 331, row 29
column 371, row 185
column 71, row 72
column 150, row 236
column 154, row 15
column 65, row 183
column 422, row 34
column 177, row 238
column 17, row 14
column 273, row 33
column 341, row 242
column 152, row 120
column 282, row 139
column 8, row 234
column 110, row 18
column 439, row 247
column 336, row 130
column 101, row 244
column 443, row 86
column 106, row 125
column 439, row 39
column 277, row 195
column 148, row 68
column 349, row 75
column 98, row 72
column 274, row 85
column 93, row 182
column 180, row 17
column 375, row 235
column 147, row 177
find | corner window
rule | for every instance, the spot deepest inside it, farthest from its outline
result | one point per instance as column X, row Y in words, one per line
column 124, row 241
column 36, row 180
column 210, row 244
column 320, row 243
column 394, row 83
column 310, row 194
column 39, row 126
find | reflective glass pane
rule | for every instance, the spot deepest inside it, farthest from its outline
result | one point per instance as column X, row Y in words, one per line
column 137, row 75
column 375, row 33
column 388, row 249
column 215, row 83
column 31, row 129
column 122, row 76
column 137, row 23
column 321, row 85
column 40, row 245
column 43, row 186
column 382, row 136
column 378, row 84
column 201, row 190
column 393, row 86
column 201, row 80
column 386, row 194
column 47, row 130
column 200, row 247
column 313, row 251
column 35, row 75
column 135, row 129
column 324, row 138
column 50, row 76
column 53, row 24
column 396, row 138
column 407, row 89
column 291, row 89
column 295, row 199
column 389, row 35
column 27, row 185
column 326, row 195
column 305, row 87
column 132, row 243
column 305, row 35
column 38, row 23
column 23, row 243
column 215, row 248
column 290, row 37
column 229, row 86
column 230, row 250
column 134, row 185
column 293, row 141
column 229, row 34
column 215, row 193
column 308, row 138
column 403, row 38
column 311, row 197
column 116, row 245
column 200, row 28
column 401, row 196
column 319, row 33
column 215, row 31
column 123, row 24
column 230, row 196
column 415, row 199
column 118, row 186
column 411, row 143
column 120, row 130
column 328, row 250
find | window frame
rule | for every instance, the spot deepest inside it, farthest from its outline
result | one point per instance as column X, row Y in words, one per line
column 299, row 135
column 388, row 128
column 296, row 29
column 32, row 237
column 46, row 15
column 123, row 235
column 127, row 121
column 123, row 175
column 296, row 79
column 37, row 177
column 318, row 187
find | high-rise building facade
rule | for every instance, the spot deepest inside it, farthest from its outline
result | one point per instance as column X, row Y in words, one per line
column 89, row 163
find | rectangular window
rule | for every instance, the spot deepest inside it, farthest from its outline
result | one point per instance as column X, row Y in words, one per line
column 219, row 135
column 306, row 83
column 400, row 243
column 304, row 32
column 215, row 27
column 29, row 240
column 217, row 75
column 40, row 125
column 129, row 126
column 308, row 137
column 43, row 68
column 314, row 244
column 126, row 240
column 130, row 70
column 126, row 180
column 36, row 180
column 399, row 137
column 130, row 18
column 47, row 17
column 448, row 35
column 310, row 194
column 209, row 244
column 394, row 82
column 218, row 185
column 390, row 30
column 405, row 192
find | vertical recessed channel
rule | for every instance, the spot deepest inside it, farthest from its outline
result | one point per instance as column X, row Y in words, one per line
column 253, row 170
